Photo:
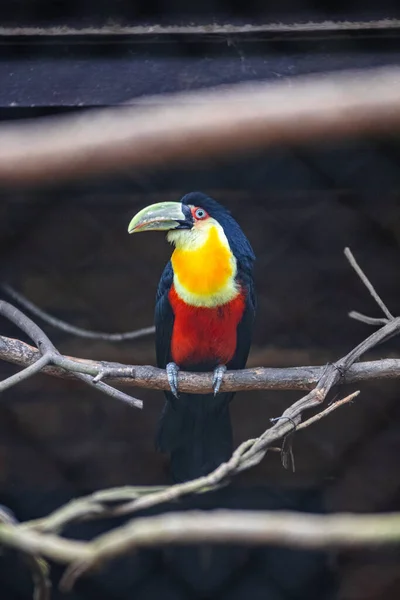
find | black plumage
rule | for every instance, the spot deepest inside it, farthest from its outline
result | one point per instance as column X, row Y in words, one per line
column 195, row 429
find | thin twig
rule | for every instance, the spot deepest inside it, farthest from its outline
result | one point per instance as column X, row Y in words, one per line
column 350, row 257
column 367, row 320
column 327, row 411
column 25, row 373
column 240, row 527
column 68, row 328
column 109, row 390
column 176, row 129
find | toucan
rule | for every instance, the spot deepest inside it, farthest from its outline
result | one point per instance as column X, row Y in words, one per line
column 204, row 314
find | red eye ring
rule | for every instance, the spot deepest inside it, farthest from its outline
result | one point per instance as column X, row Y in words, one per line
column 200, row 213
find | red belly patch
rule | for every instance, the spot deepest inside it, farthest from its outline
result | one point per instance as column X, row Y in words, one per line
column 204, row 335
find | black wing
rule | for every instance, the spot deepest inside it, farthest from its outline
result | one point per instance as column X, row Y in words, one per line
column 164, row 318
column 245, row 327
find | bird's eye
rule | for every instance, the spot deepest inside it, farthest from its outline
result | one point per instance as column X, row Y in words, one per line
column 200, row 213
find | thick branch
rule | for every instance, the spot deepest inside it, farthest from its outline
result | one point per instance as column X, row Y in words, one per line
column 190, row 126
column 258, row 378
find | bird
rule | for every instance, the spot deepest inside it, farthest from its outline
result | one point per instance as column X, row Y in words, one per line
column 204, row 315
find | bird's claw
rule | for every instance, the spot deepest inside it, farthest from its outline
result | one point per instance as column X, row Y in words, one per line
column 217, row 379
column 172, row 375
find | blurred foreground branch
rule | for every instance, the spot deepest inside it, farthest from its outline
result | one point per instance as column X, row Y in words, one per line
column 180, row 128
column 219, row 526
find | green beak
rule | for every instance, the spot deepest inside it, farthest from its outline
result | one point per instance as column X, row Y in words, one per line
column 158, row 217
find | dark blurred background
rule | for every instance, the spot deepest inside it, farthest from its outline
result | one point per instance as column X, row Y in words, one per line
column 66, row 248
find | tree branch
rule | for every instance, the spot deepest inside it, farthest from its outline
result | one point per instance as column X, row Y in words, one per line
column 180, row 128
column 149, row 377
column 350, row 257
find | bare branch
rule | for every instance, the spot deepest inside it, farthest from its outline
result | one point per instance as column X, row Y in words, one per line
column 166, row 130
column 149, row 377
column 350, row 257
column 368, row 320
column 327, row 411
column 25, row 373
column 68, row 328
column 47, row 354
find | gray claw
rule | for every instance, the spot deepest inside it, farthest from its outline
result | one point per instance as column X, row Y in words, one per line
column 172, row 374
column 217, row 379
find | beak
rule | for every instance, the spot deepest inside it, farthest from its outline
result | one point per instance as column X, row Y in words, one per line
column 158, row 217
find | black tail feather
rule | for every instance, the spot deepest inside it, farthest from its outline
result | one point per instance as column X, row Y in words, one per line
column 195, row 430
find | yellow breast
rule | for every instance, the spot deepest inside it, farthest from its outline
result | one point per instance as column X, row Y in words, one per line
column 205, row 275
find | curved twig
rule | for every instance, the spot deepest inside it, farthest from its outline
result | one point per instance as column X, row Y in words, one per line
column 350, row 257
column 152, row 378
column 68, row 328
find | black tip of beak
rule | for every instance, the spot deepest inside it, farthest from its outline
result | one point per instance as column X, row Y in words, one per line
column 187, row 222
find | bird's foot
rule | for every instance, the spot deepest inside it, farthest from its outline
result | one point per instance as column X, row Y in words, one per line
column 218, row 376
column 172, row 374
